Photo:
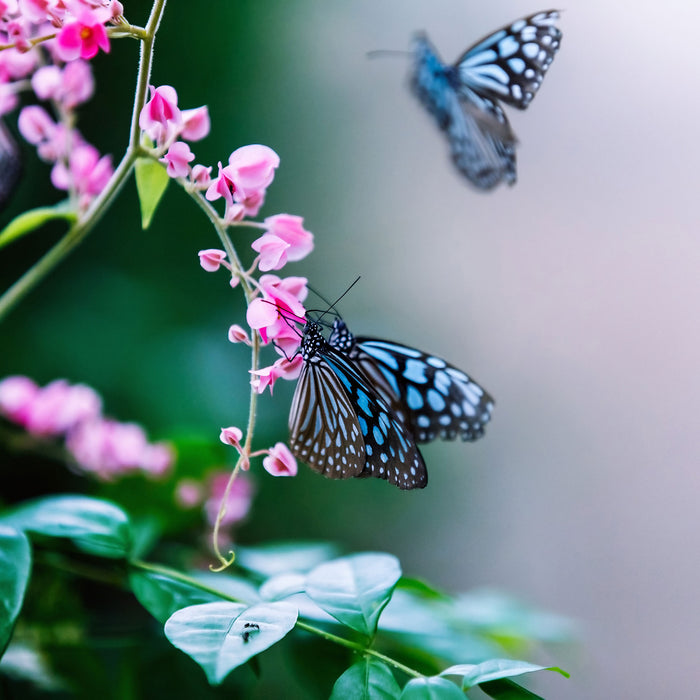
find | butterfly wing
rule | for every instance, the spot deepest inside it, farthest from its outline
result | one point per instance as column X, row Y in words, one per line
column 481, row 141
column 323, row 427
column 341, row 427
column 437, row 399
column 510, row 64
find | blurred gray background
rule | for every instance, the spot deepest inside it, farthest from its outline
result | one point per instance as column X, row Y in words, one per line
column 572, row 297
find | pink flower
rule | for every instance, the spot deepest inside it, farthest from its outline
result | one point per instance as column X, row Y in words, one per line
column 87, row 173
column 290, row 229
column 238, row 503
column 160, row 117
column 60, row 407
column 35, row 124
column 237, row 334
column 17, row 395
column 281, row 369
column 201, row 176
column 211, row 259
column 280, row 461
column 177, row 159
column 280, row 307
column 231, row 436
column 188, row 493
column 84, row 37
column 196, row 123
column 221, row 186
column 156, row 459
column 273, row 252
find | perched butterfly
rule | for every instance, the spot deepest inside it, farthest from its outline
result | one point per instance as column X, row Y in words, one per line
column 508, row 66
column 341, row 426
column 361, row 405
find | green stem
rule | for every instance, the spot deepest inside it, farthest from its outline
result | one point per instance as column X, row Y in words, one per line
column 77, row 233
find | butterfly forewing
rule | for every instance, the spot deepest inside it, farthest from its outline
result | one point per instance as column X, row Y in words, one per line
column 324, row 430
column 510, row 64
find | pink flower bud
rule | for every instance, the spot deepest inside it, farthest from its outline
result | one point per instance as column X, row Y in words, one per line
column 280, row 461
column 177, row 159
column 196, row 123
column 211, row 259
column 237, row 334
column 231, row 436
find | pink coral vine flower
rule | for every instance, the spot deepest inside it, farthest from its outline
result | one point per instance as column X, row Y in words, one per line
column 211, row 259
column 290, row 229
column 196, row 123
column 160, row 117
column 177, row 159
column 231, row 436
column 280, row 461
column 85, row 36
column 281, row 369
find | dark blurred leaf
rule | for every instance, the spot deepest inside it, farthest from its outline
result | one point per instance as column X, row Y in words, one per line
column 162, row 595
column 494, row 669
column 508, row 690
column 15, row 568
column 366, row 680
column 355, row 589
column 433, row 688
column 95, row 526
column 29, row 221
column 151, row 182
column 222, row 636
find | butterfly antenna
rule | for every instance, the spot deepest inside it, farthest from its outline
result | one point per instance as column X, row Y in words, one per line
column 378, row 53
column 332, row 306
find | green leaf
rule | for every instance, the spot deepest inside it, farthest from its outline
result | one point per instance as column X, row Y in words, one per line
column 366, row 680
column 355, row 589
column 31, row 220
column 151, row 182
column 494, row 669
column 421, row 588
column 282, row 586
column 162, row 595
column 433, row 688
column 15, row 567
column 284, row 557
column 506, row 689
column 94, row 525
column 222, row 636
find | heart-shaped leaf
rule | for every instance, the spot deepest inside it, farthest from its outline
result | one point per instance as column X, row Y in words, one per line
column 222, row 636
column 494, row 669
column 355, row 589
column 366, row 680
column 152, row 180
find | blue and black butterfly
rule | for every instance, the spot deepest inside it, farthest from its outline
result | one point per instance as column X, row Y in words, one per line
column 507, row 66
column 362, row 405
column 10, row 165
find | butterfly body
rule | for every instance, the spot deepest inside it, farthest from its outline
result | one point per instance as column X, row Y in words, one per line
column 507, row 66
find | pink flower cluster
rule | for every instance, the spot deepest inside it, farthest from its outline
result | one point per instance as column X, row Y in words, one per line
column 278, row 460
column 100, row 446
column 48, row 40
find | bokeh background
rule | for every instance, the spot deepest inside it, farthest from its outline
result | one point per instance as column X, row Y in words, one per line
column 573, row 297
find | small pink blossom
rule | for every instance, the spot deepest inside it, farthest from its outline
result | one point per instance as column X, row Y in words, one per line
column 35, row 124
column 160, row 117
column 273, row 252
column 231, row 436
column 254, row 166
column 59, row 407
column 196, row 123
column 221, row 186
column 280, row 307
column 201, row 176
column 291, row 230
column 84, row 37
column 157, row 459
column 87, row 173
column 237, row 334
column 188, row 493
column 211, row 259
column 237, row 505
column 281, row 369
column 280, row 461
column 17, row 394
column 177, row 159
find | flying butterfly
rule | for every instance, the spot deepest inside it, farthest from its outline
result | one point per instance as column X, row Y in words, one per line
column 507, row 66
column 362, row 405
